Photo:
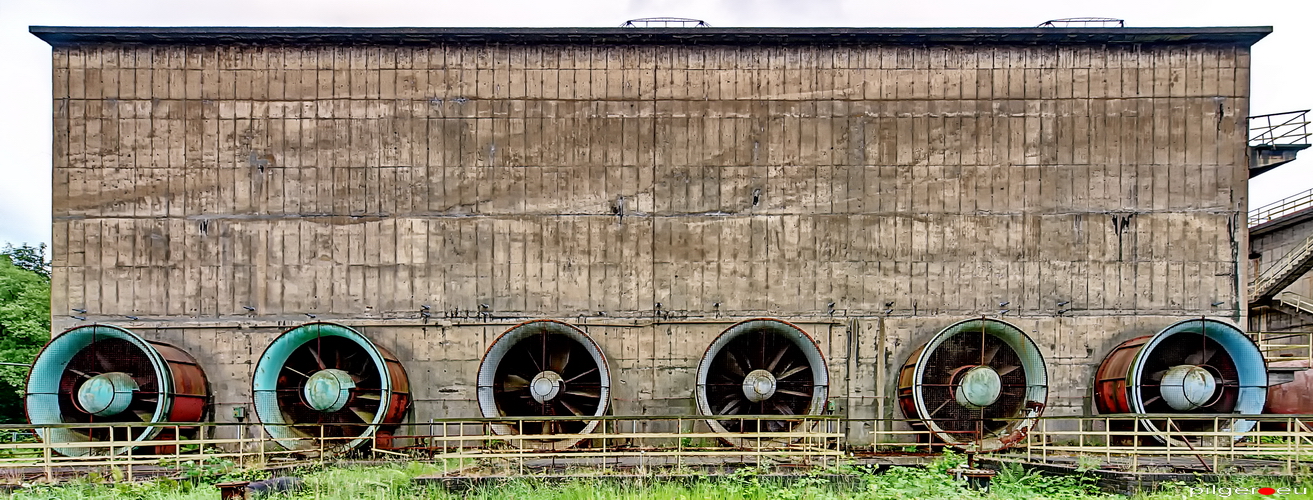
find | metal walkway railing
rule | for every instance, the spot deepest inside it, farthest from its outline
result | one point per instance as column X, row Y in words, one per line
column 1284, row 346
column 1281, row 208
column 1297, row 301
column 1293, row 265
column 1128, row 442
column 1279, row 129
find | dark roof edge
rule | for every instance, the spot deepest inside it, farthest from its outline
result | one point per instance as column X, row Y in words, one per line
column 60, row 36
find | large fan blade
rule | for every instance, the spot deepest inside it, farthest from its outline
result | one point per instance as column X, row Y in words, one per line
column 793, row 393
column 1200, row 357
column 143, row 415
column 80, row 373
column 1150, row 400
column 319, row 361
column 538, row 367
column 559, row 358
column 103, row 362
column 515, row 382
column 989, row 354
column 365, row 416
column 1157, row 376
column 586, row 394
column 729, row 408
column 375, row 394
column 791, row 372
column 576, row 377
column 293, row 370
column 783, row 409
column 733, row 364
column 572, row 408
column 1007, row 369
column 940, row 407
column 771, row 367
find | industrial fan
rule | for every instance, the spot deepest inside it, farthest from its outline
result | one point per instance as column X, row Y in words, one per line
column 978, row 385
column 761, row 367
column 544, row 368
column 327, row 381
column 105, row 374
column 1193, row 366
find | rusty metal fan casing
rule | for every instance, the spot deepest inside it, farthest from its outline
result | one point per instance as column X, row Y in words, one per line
column 761, row 367
column 330, row 381
column 105, row 374
column 544, row 368
column 977, row 385
column 1295, row 397
column 1199, row 366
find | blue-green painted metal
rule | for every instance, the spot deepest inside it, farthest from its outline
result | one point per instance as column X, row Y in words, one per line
column 979, row 387
column 264, row 385
column 107, row 394
column 43, row 392
column 328, row 390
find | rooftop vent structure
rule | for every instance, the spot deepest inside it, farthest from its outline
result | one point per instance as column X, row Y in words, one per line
column 665, row 22
column 1084, row 22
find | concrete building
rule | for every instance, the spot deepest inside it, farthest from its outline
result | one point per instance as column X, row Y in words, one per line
column 435, row 187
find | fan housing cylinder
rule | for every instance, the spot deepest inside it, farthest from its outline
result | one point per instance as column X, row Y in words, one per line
column 761, row 366
column 977, row 385
column 107, row 374
column 324, row 380
column 1201, row 366
column 544, row 368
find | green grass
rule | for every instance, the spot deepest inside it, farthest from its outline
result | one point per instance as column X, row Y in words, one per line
column 397, row 483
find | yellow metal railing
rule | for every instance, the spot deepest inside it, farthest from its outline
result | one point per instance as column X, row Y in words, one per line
column 1129, row 442
column 1124, row 442
column 1284, row 346
column 645, row 441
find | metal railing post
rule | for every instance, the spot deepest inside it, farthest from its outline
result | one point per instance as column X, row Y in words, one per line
column 45, row 454
column 128, row 432
column 260, row 439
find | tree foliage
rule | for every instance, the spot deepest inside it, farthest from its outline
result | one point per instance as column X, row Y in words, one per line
column 24, row 320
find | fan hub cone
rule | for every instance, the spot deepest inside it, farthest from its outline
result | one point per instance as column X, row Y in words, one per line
column 328, row 390
column 107, row 394
column 978, row 387
column 1187, row 387
column 545, row 386
column 759, row 385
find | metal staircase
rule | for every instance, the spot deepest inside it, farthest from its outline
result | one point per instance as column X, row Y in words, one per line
column 1283, row 273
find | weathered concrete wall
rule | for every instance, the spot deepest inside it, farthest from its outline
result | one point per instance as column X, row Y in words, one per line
column 872, row 194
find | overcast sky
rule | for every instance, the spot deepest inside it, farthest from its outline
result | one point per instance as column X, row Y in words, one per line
column 1283, row 62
